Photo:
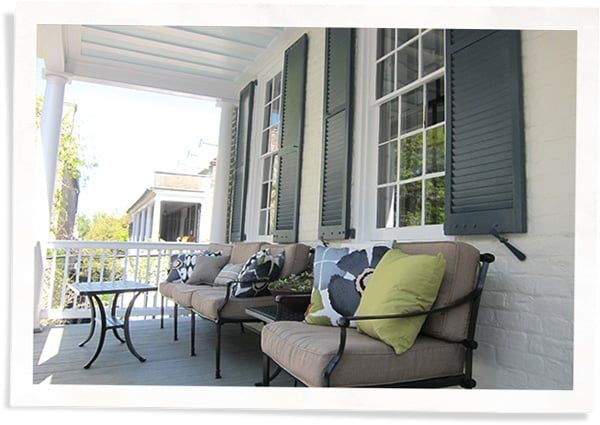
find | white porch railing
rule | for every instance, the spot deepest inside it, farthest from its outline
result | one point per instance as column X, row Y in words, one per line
column 90, row 261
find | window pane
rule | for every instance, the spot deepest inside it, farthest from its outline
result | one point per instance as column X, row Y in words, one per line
column 268, row 90
column 273, row 139
column 266, row 174
column 386, row 207
column 410, row 204
column 264, row 198
column 411, row 156
column 407, row 67
column 435, row 101
column 264, row 146
column 277, row 85
column 267, row 116
column 433, row 51
column 275, row 112
column 385, row 76
column 385, row 41
column 435, row 150
column 434, row 200
column 412, row 110
column 388, row 120
column 262, row 230
column 388, row 163
column 404, row 35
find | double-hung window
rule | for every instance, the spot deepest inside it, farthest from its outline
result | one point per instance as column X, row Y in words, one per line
column 410, row 101
column 268, row 155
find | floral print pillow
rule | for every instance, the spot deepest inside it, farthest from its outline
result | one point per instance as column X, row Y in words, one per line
column 340, row 277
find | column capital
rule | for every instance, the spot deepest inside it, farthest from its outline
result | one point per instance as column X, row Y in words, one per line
column 57, row 76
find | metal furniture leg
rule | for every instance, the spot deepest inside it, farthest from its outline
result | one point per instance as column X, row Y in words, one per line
column 218, row 353
column 113, row 314
column 126, row 327
column 193, row 336
column 162, row 312
column 92, row 323
column 102, row 332
column 175, row 323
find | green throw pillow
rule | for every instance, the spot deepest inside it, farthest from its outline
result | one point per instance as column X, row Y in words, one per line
column 400, row 283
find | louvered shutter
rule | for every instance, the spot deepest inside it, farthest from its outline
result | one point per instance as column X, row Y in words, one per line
column 334, row 219
column 485, row 141
column 240, row 173
column 290, row 142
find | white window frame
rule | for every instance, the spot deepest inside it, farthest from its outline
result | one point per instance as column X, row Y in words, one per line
column 253, row 206
column 366, row 129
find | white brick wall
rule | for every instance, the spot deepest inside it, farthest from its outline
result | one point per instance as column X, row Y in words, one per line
column 526, row 319
column 313, row 138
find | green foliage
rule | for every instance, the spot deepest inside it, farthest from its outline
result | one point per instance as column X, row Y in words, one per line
column 302, row 282
column 104, row 227
column 83, row 226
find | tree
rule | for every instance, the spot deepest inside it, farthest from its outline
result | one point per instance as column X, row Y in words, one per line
column 70, row 162
column 104, row 227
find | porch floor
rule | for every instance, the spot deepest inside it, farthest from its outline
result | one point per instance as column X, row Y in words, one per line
column 57, row 359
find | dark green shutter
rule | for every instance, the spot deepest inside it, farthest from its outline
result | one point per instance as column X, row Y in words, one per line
column 485, row 141
column 242, row 157
column 290, row 142
column 334, row 218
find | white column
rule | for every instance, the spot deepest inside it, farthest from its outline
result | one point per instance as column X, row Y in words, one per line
column 50, row 125
column 218, row 221
column 149, row 216
column 155, row 236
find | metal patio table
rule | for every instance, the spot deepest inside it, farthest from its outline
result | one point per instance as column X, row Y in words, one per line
column 93, row 290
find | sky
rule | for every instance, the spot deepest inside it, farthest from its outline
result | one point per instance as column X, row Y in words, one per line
column 129, row 134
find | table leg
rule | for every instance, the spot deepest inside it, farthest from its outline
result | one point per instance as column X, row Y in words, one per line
column 102, row 332
column 126, row 327
column 92, row 323
column 113, row 313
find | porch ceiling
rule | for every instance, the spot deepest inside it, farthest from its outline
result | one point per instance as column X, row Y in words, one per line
column 206, row 61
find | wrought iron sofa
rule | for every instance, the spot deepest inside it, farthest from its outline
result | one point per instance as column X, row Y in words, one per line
column 341, row 356
column 216, row 303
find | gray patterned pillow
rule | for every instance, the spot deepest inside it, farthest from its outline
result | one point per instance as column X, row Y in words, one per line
column 207, row 268
column 260, row 269
column 228, row 274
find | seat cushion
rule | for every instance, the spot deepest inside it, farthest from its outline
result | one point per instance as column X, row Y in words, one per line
column 182, row 294
column 297, row 256
column 166, row 288
column 207, row 299
column 460, row 278
column 304, row 350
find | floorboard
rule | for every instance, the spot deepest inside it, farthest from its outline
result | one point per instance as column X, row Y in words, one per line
column 57, row 359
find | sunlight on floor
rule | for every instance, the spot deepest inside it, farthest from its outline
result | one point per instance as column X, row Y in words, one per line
column 52, row 345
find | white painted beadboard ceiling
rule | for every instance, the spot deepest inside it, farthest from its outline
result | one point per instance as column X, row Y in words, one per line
column 206, row 61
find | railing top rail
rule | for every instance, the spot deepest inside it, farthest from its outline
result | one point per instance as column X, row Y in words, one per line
column 125, row 245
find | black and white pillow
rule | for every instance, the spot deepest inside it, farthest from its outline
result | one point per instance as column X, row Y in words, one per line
column 257, row 272
column 182, row 265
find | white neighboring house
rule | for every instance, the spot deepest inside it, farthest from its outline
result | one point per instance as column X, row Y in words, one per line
column 177, row 207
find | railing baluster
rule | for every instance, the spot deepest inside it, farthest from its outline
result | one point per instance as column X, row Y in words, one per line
column 160, row 254
column 63, row 293
column 114, row 264
column 148, row 259
column 52, row 279
column 102, row 260
column 90, row 261
column 137, row 262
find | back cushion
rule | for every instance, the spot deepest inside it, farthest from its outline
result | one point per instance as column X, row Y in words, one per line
column 243, row 250
column 460, row 278
column 296, row 257
column 224, row 248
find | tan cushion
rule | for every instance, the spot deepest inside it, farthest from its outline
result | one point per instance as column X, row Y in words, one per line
column 224, row 248
column 304, row 350
column 182, row 294
column 460, row 277
column 243, row 250
column 207, row 268
column 206, row 300
column 296, row 257
column 166, row 288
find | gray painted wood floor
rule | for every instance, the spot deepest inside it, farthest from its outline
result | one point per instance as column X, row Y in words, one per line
column 57, row 359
